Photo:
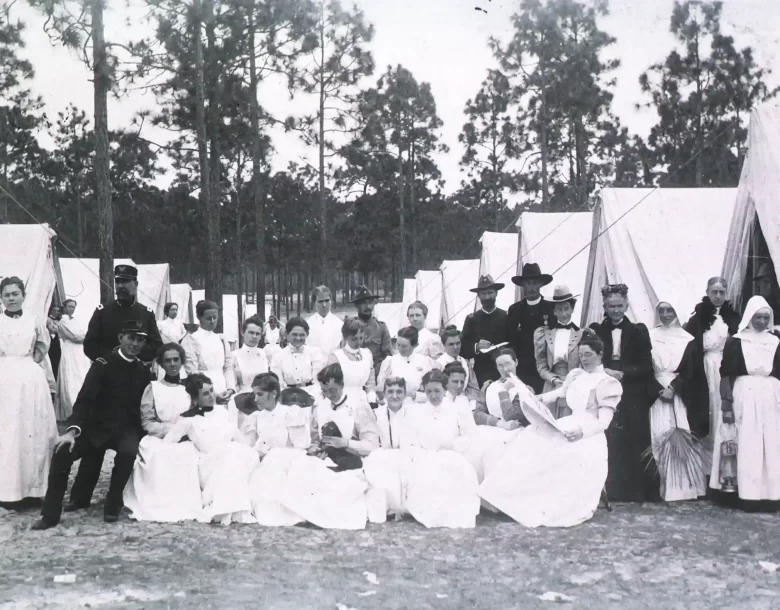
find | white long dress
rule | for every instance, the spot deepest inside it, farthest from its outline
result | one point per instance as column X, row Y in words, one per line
column 543, row 478
column 325, row 332
column 298, row 367
column 669, row 345
column 225, row 466
column 165, row 486
column 713, row 341
column 29, row 428
column 74, row 366
column 412, row 368
column 210, row 354
column 171, row 330
column 356, row 372
column 426, row 476
column 248, row 362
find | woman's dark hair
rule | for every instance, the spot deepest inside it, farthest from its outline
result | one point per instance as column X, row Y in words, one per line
column 332, row 372
column 251, row 320
column 454, row 368
column 203, row 306
column 194, row 384
column 12, row 281
column 66, row 301
column 268, row 382
column 612, row 289
column 351, row 327
column 168, row 347
column 435, row 376
column 293, row 322
column 169, row 306
column 399, row 381
column 410, row 334
column 505, row 351
column 450, row 331
column 591, row 339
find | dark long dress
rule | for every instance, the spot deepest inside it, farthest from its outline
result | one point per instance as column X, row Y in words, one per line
column 488, row 327
column 522, row 321
column 629, row 479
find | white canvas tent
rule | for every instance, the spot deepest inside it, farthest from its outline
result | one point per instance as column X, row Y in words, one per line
column 231, row 327
column 81, row 279
column 28, row 252
column 665, row 248
column 429, row 292
column 550, row 240
column 391, row 314
column 181, row 294
column 154, row 287
column 499, row 260
column 757, row 206
column 458, row 278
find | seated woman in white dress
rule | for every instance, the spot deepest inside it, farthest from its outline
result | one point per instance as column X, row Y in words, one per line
column 298, row 364
column 209, row 353
column 428, row 343
column 451, row 337
column 165, row 486
column 74, row 365
column 426, row 476
column 225, row 464
column 503, row 398
column 554, row 471
column 250, row 360
column 308, row 486
column 356, row 362
column 407, row 364
column 171, row 328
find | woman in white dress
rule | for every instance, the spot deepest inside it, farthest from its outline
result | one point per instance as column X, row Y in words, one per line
column 74, row 365
column 356, row 362
column 306, row 486
column 298, row 364
column 750, row 395
column 408, row 364
column 451, row 338
column 171, row 328
column 165, row 486
column 209, row 353
column 554, row 471
column 426, row 476
column 225, row 464
column 428, row 343
column 673, row 357
column 250, row 360
column 273, row 337
column 503, row 398
column 29, row 427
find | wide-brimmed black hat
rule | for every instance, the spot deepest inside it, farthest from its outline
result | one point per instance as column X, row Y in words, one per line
column 125, row 272
column 296, row 396
column 363, row 294
column 531, row 271
column 133, row 327
column 486, row 282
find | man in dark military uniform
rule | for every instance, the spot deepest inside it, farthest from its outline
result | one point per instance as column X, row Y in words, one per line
column 102, row 340
column 376, row 337
column 106, row 415
column 103, row 331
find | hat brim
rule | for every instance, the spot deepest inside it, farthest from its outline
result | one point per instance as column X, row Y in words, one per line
column 370, row 297
column 137, row 333
column 566, row 300
column 543, row 277
column 125, row 277
column 494, row 286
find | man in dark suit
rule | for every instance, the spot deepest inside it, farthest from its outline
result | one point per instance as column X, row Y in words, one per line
column 106, row 415
column 376, row 337
column 524, row 317
column 483, row 330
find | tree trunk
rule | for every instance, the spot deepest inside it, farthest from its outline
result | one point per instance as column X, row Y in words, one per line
column 412, row 209
column 543, row 138
column 102, row 84
column 401, row 221
column 79, row 225
column 200, row 126
column 5, row 134
column 239, row 263
column 323, row 201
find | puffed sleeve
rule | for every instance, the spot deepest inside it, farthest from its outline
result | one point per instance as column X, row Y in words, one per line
column 608, row 393
column 192, row 354
column 318, row 361
column 367, row 431
column 149, row 420
column 277, row 367
column 385, row 371
column 371, row 386
column 179, row 430
column 227, row 368
column 540, row 351
column 42, row 341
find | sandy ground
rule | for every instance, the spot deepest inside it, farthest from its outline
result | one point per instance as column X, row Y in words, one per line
column 691, row 555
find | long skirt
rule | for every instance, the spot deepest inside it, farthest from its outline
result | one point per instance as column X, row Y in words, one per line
column 757, row 414
column 224, row 473
column 545, row 480
column 165, row 485
column 29, row 429
column 712, row 362
column 666, row 416
column 437, row 488
column 74, row 366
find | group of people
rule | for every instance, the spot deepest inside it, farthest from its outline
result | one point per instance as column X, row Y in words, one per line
column 328, row 422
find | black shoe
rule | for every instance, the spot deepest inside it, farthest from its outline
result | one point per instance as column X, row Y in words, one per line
column 110, row 517
column 44, row 524
column 72, row 507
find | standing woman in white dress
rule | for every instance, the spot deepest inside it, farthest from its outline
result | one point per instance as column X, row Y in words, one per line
column 428, row 343
column 250, row 360
column 298, row 364
column 209, row 353
column 750, row 394
column 711, row 324
column 356, row 362
column 74, row 365
column 407, row 363
column 171, row 328
column 451, row 339
column 674, row 356
column 164, row 486
column 29, row 428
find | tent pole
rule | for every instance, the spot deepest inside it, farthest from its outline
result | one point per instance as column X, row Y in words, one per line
column 590, row 276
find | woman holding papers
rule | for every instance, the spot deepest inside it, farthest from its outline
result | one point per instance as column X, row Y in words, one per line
column 553, row 473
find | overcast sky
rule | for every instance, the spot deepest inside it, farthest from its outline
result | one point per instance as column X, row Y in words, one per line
column 443, row 42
